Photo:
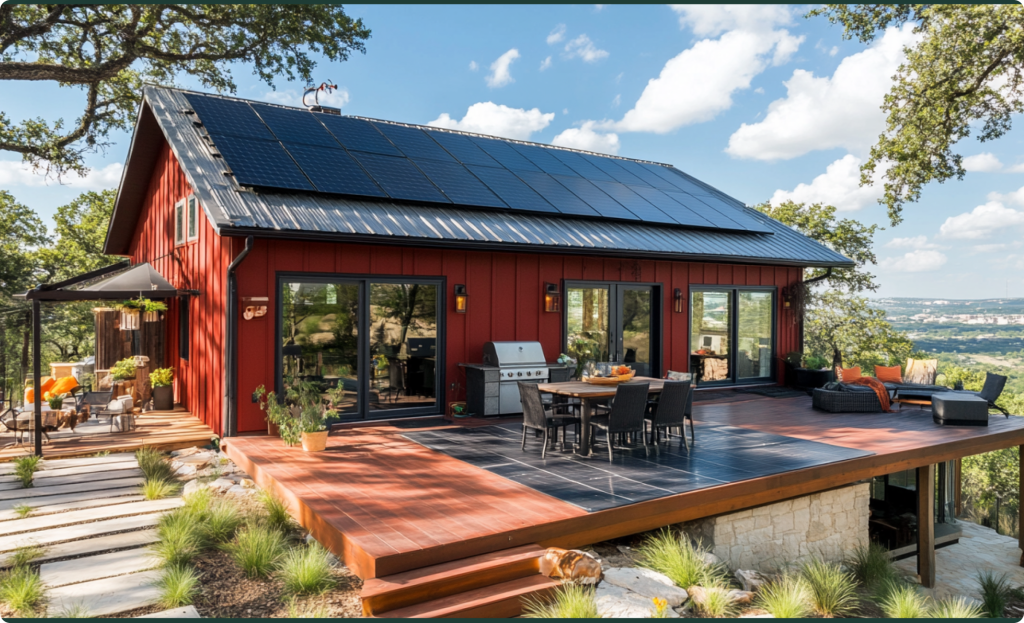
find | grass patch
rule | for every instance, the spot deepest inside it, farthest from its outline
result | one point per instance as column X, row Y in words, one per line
column 158, row 489
column 307, row 570
column 153, row 465
column 900, row 600
column 21, row 589
column 277, row 515
column 871, row 565
column 182, row 537
column 25, row 468
column 306, row 610
column 222, row 520
column 199, row 501
column 77, row 611
column 178, row 586
column 570, row 601
column 995, row 591
column 102, row 453
column 674, row 556
column 958, row 608
column 257, row 549
column 23, row 556
column 717, row 604
column 22, row 510
column 833, row 592
column 786, row 597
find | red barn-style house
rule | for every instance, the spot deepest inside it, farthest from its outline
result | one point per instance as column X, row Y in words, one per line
column 376, row 257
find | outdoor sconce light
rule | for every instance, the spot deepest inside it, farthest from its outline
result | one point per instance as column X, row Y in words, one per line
column 460, row 299
column 552, row 298
column 254, row 307
column 678, row 297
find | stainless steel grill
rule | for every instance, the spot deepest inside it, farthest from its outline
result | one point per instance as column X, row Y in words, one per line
column 516, row 361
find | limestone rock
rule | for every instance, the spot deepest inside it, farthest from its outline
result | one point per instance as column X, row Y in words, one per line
column 186, row 451
column 646, row 583
column 614, row 602
column 741, row 597
column 192, row 486
column 572, row 565
column 240, row 491
column 200, row 459
column 183, row 471
column 749, row 579
column 710, row 559
column 221, row 484
column 247, row 483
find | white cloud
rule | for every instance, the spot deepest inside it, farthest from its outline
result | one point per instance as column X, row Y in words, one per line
column 699, row 82
column 834, row 50
column 988, row 248
column 599, row 7
column 292, row 97
column 981, row 222
column 497, row 120
column 914, row 242
column 1016, row 196
column 585, row 137
column 473, row 66
column 500, row 75
column 919, row 261
column 839, row 186
column 1017, row 168
column 545, row 63
column 986, row 162
column 556, row 35
column 617, row 100
column 827, row 112
column 17, row 173
column 582, row 47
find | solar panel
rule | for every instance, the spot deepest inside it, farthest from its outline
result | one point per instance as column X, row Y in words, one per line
column 228, row 117
column 414, row 143
column 511, row 189
column 643, row 172
column 295, row 126
column 696, row 205
column 635, row 202
column 596, row 198
column 609, row 166
column 461, row 186
column 333, row 170
column 504, row 154
column 544, row 160
column 733, row 212
column 260, row 163
column 681, row 182
column 464, row 150
column 358, row 135
column 581, row 165
column 556, row 194
column 400, row 178
column 675, row 210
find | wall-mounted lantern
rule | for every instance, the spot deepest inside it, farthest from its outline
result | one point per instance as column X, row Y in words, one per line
column 460, row 299
column 552, row 298
column 678, row 300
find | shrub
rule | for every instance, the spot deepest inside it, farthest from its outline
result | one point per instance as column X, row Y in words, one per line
column 182, row 537
column 25, row 467
column 257, row 549
column 24, row 555
column 899, row 600
column 222, row 520
column 153, row 465
column 833, row 592
column 958, row 608
column 785, row 597
column 307, row 570
column 570, row 601
column 178, row 586
column 717, row 602
column 123, row 370
column 157, row 489
column 21, row 589
column 22, row 510
column 995, row 591
column 277, row 515
column 677, row 558
column 161, row 377
column 871, row 565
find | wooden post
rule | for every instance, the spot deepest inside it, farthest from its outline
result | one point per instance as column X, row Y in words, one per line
column 926, row 525
column 957, row 488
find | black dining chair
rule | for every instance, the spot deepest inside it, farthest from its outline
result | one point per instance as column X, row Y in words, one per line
column 626, row 415
column 536, row 417
column 669, row 411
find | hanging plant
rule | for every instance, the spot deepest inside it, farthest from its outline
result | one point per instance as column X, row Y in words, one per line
column 133, row 308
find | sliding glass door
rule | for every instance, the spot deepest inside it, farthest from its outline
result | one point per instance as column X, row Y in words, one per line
column 732, row 337
column 613, row 322
column 369, row 346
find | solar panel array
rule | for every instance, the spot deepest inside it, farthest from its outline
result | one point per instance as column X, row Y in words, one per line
column 294, row 149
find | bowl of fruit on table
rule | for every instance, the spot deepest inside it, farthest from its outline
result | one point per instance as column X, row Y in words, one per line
column 601, row 373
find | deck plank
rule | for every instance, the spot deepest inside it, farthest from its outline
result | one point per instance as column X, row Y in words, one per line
column 117, row 496
column 121, row 540
column 81, row 531
column 36, row 492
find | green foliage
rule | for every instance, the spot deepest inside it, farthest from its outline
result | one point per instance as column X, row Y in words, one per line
column 72, row 45
column 178, row 586
column 158, row 489
column 853, row 333
column 958, row 608
column 22, row 510
column 277, row 515
column 221, row 522
column 900, row 600
column 142, row 304
column 153, row 465
column 964, row 73
column 257, row 549
column 76, row 611
column 785, row 597
column 717, row 603
column 182, row 537
column 815, row 362
column 123, row 370
column 995, row 592
column 21, row 589
column 161, row 377
column 871, row 566
column 25, row 468
column 56, row 401
column 677, row 558
column 984, row 476
column 25, row 555
column 307, row 570
column 569, row 601
column 833, row 592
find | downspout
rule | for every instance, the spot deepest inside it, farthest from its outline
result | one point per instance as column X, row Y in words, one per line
column 230, row 423
column 828, row 273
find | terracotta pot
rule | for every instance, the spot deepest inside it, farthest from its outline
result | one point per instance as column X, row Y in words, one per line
column 314, row 442
column 163, row 398
column 273, row 429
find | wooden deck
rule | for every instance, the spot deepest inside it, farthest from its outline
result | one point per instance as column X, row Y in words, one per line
column 163, row 430
column 389, row 505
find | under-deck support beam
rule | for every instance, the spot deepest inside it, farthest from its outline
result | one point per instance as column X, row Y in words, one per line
column 926, row 525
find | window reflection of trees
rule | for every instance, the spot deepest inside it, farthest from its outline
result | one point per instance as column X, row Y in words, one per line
column 403, row 342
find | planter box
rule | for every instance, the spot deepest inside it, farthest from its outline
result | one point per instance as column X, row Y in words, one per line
column 163, row 398
column 812, row 379
column 129, row 320
column 314, row 442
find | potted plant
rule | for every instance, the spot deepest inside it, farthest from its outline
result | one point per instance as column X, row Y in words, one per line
column 313, row 427
column 132, row 309
column 809, row 371
column 123, row 370
column 162, row 380
column 56, row 401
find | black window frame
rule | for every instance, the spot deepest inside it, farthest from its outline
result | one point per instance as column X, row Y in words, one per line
column 732, row 381
column 183, row 327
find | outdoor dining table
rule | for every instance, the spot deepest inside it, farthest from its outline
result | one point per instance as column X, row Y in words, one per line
column 587, row 393
column 51, row 419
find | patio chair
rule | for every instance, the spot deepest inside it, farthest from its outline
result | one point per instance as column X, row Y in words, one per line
column 990, row 392
column 625, row 417
column 91, row 403
column 670, row 411
column 536, row 417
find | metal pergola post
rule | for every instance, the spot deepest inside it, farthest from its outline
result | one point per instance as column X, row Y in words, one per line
column 37, row 378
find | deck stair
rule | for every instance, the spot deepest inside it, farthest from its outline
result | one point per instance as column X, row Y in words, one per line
column 489, row 585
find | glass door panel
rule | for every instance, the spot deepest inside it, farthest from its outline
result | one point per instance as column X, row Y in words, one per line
column 754, row 337
column 635, row 320
column 320, row 340
column 710, row 349
column 403, row 345
column 588, row 323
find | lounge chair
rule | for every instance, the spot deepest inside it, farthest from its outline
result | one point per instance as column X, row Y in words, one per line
column 990, row 392
column 840, row 398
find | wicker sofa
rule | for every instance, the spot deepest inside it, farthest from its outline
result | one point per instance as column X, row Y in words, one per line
column 849, row 399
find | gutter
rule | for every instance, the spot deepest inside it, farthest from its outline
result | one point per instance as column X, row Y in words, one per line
column 229, row 427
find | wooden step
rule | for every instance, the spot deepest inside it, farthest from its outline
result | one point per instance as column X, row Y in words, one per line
column 498, row 601
column 400, row 590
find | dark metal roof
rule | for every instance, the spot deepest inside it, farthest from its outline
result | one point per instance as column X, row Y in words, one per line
column 233, row 210
column 131, row 281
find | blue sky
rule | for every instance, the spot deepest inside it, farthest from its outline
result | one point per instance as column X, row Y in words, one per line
column 758, row 101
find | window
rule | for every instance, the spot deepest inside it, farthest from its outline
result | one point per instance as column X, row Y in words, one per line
column 732, row 337
column 179, row 222
column 183, row 336
column 193, row 218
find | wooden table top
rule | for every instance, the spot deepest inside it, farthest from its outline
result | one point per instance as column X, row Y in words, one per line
column 580, row 389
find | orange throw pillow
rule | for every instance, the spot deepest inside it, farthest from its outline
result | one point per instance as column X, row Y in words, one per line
column 889, row 374
column 30, row 395
column 851, row 374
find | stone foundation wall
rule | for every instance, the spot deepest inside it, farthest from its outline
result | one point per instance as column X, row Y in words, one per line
column 828, row 524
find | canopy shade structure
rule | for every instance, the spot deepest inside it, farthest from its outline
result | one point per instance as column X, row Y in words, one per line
column 136, row 281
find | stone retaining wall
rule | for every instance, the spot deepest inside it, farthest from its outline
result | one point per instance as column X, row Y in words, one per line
column 828, row 524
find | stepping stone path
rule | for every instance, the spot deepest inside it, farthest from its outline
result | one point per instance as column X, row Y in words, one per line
column 93, row 527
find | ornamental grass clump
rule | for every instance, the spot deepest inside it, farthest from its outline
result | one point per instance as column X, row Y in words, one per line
column 569, row 601
column 674, row 556
column 277, row 515
column 958, row 608
column 221, row 521
column 159, row 489
column 717, row 602
column 23, row 556
column 995, row 592
column 22, row 510
column 307, row 570
column 178, row 586
column 257, row 549
column 871, row 566
column 833, row 592
column 21, row 589
column 25, row 468
column 900, row 600
column 182, row 537
column 788, row 596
